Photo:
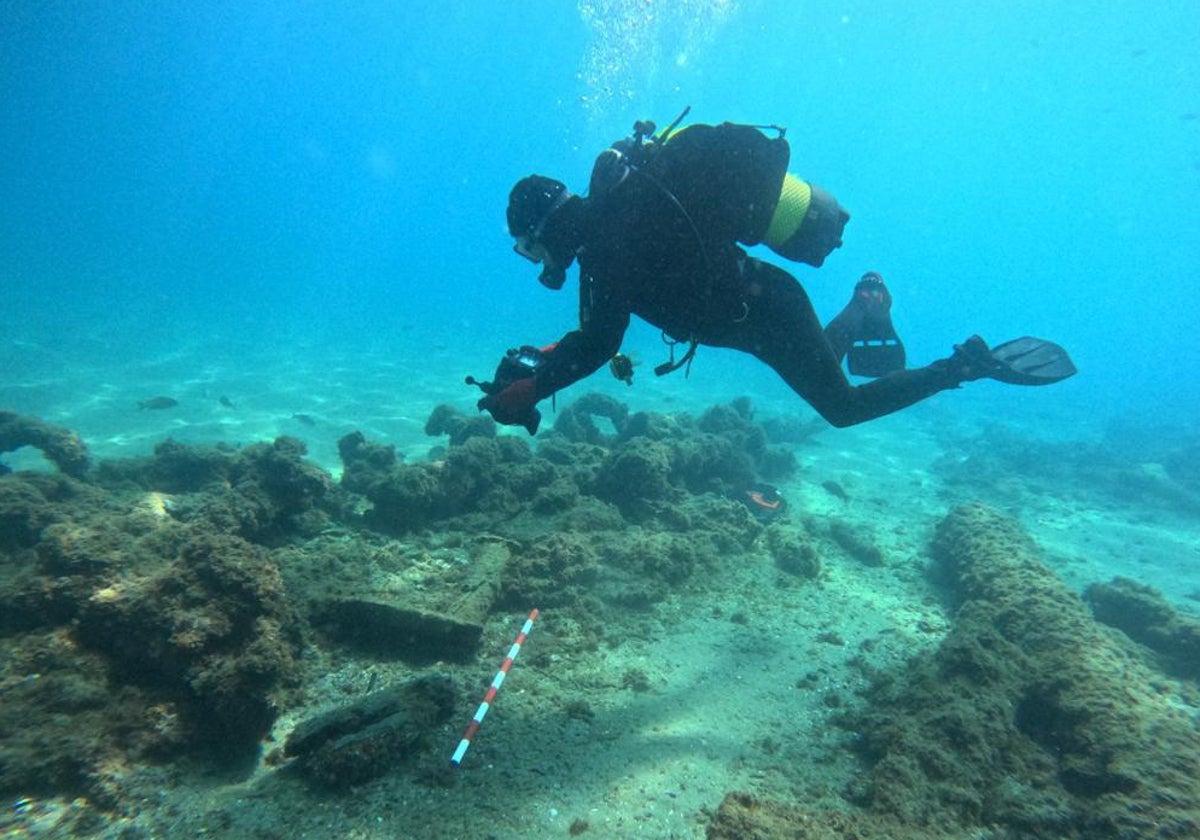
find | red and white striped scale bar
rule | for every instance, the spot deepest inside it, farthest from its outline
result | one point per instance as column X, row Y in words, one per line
column 492, row 691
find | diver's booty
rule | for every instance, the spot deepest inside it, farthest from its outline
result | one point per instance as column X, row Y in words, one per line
column 971, row 360
column 863, row 331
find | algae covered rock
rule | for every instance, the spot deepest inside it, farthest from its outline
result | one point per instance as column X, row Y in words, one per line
column 214, row 624
column 1029, row 715
column 856, row 541
column 637, row 477
column 403, row 497
column 26, row 507
column 365, row 739
column 793, row 551
column 448, row 420
column 645, row 467
column 177, row 468
column 273, row 493
column 266, row 492
column 576, row 422
column 388, row 628
column 743, row 816
column 482, row 475
column 548, row 571
column 1142, row 613
column 62, row 447
column 130, row 639
column 67, row 732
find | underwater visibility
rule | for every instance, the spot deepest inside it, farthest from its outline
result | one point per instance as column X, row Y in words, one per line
column 714, row 419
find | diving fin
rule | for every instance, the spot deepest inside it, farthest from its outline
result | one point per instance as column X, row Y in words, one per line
column 1031, row 361
column 1022, row 361
column 875, row 357
column 864, row 331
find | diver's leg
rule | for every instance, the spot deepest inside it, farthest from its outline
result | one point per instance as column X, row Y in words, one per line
column 782, row 328
column 841, row 330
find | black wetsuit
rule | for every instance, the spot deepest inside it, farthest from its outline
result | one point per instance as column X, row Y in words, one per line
column 662, row 244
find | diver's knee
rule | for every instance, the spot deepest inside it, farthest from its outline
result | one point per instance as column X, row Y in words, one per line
column 840, row 417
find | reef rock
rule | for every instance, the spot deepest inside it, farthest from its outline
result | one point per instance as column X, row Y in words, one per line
column 62, row 447
column 1142, row 613
column 365, row 739
column 1030, row 716
column 212, row 623
column 393, row 629
column 448, row 420
column 743, row 816
column 265, row 493
column 482, row 475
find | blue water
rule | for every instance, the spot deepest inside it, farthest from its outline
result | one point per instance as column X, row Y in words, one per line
column 301, row 206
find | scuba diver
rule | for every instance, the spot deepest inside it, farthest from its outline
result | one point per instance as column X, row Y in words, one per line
column 658, row 235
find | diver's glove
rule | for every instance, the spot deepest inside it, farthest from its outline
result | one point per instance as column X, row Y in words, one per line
column 514, row 406
column 512, row 394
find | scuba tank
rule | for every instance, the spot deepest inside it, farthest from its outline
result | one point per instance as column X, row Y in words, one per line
column 633, row 155
column 629, row 154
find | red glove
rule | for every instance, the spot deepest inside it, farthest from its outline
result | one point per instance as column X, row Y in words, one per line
column 514, row 406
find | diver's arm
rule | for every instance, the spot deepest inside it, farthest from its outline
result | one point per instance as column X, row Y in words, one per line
column 582, row 352
column 529, row 374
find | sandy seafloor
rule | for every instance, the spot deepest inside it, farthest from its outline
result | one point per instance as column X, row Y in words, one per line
column 744, row 670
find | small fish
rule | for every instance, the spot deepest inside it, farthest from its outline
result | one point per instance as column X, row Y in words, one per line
column 155, row 403
column 304, row 420
column 228, row 403
column 835, row 489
